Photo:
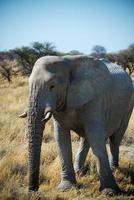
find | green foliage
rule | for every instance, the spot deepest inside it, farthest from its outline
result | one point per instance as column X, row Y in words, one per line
column 26, row 56
column 42, row 49
column 74, row 52
column 98, row 51
column 5, row 70
column 125, row 58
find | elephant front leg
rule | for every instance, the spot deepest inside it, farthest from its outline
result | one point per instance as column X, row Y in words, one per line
column 63, row 139
column 81, row 156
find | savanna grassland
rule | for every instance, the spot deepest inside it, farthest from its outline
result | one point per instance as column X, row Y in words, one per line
column 13, row 155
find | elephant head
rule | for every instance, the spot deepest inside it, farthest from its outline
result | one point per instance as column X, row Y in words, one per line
column 58, row 83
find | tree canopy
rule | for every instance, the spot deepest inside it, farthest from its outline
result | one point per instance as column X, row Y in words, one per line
column 98, row 51
column 125, row 58
column 27, row 55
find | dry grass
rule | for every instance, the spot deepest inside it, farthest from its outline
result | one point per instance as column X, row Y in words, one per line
column 13, row 156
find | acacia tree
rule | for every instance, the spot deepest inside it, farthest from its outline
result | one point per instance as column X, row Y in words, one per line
column 74, row 52
column 98, row 51
column 5, row 70
column 46, row 48
column 129, row 53
column 125, row 58
column 27, row 56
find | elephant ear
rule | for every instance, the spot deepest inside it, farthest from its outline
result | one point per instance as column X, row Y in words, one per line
column 88, row 79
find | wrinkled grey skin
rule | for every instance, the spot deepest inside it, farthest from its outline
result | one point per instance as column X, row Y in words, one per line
column 92, row 97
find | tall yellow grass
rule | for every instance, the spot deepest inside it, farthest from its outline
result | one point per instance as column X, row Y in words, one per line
column 13, row 155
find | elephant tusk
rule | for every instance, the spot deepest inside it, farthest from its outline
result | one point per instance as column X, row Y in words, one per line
column 23, row 115
column 48, row 115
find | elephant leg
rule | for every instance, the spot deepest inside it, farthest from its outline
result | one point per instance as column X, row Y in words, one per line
column 114, row 148
column 81, row 155
column 115, row 141
column 97, row 142
column 63, row 139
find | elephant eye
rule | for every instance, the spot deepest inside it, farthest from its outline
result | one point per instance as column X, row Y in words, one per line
column 51, row 87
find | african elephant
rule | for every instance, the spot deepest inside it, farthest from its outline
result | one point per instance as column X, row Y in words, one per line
column 92, row 97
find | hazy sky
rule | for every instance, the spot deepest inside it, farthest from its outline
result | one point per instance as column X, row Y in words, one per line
column 70, row 24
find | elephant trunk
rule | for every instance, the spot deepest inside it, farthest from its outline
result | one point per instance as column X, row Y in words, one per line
column 35, row 132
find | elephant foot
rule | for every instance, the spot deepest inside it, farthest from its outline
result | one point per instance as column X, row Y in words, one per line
column 81, row 172
column 114, row 168
column 110, row 192
column 110, row 188
column 114, row 165
column 66, row 185
column 32, row 189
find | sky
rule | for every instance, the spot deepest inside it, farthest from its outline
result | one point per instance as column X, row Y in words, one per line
column 68, row 24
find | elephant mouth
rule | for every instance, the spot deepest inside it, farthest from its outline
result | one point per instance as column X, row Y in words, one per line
column 47, row 116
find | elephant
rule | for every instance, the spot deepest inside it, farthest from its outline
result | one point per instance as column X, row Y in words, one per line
column 90, row 96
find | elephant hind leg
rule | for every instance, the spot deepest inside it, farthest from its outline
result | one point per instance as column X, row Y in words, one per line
column 116, row 139
column 81, row 156
column 107, row 179
column 114, row 148
column 98, row 146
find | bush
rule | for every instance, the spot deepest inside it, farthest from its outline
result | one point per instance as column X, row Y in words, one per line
column 5, row 70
